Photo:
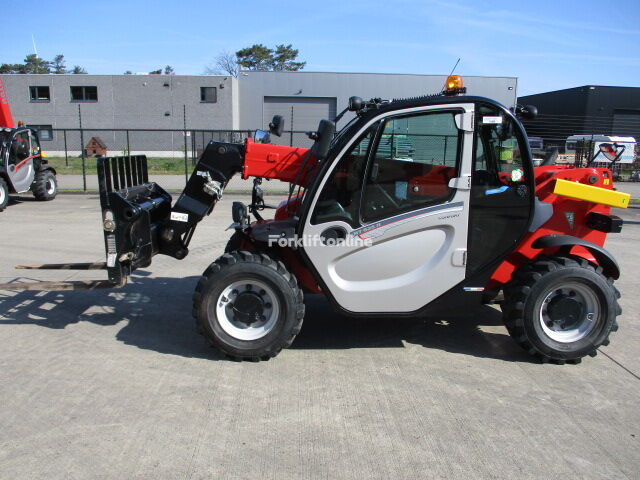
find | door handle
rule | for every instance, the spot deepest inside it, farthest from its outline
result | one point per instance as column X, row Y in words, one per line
column 331, row 235
column 461, row 183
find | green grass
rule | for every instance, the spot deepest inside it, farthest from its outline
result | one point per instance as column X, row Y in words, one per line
column 160, row 166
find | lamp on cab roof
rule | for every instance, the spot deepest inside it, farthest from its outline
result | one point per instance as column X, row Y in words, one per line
column 454, row 85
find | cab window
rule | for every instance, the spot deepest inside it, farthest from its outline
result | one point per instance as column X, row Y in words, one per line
column 35, row 144
column 415, row 158
column 498, row 159
column 20, row 148
column 340, row 196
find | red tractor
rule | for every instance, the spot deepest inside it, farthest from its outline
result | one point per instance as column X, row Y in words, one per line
column 422, row 206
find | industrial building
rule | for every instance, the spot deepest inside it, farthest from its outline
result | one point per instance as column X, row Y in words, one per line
column 586, row 110
column 173, row 107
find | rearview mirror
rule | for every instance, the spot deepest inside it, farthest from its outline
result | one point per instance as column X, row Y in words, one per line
column 323, row 137
column 276, row 127
column 261, row 136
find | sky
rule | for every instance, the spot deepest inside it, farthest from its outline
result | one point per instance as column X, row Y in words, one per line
column 548, row 45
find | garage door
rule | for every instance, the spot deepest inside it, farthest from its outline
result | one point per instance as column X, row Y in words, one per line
column 300, row 113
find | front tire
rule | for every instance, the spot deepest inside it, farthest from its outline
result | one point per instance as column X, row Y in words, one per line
column 45, row 186
column 561, row 309
column 4, row 194
column 248, row 306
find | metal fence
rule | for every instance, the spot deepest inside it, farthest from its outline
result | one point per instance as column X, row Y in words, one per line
column 73, row 150
column 176, row 151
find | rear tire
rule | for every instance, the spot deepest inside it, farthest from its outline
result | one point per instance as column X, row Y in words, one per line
column 4, row 194
column 45, row 186
column 561, row 309
column 248, row 306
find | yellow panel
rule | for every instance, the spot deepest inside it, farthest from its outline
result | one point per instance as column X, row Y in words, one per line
column 589, row 193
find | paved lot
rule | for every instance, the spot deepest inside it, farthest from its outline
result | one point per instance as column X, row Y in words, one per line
column 172, row 183
column 118, row 385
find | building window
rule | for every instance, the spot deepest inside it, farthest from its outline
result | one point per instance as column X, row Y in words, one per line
column 40, row 94
column 45, row 132
column 208, row 94
column 84, row 94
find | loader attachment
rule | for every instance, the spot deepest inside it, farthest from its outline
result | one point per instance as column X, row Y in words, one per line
column 133, row 211
column 138, row 220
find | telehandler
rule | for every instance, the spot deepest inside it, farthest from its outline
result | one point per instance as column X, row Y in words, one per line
column 23, row 166
column 421, row 206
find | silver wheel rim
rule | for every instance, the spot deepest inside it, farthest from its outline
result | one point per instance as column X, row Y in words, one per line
column 228, row 319
column 2, row 195
column 566, row 329
column 50, row 186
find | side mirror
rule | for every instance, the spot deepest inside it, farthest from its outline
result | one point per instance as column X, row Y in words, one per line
column 528, row 112
column 355, row 104
column 276, row 127
column 261, row 136
column 323, row 137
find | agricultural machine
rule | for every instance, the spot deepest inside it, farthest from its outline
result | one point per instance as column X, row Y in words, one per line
column 23, row 166
column 421, row 206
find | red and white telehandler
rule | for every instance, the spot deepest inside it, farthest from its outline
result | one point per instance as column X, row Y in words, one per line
column 421, row 206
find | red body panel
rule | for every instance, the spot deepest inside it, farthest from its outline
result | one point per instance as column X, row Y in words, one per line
column 6, row 119
column 274, row 161
column 569, row 216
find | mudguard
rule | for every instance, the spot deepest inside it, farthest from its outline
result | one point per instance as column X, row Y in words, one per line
column 567, row 242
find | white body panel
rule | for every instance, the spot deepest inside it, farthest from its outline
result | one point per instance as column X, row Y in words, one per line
column 414, row 258
column 22, row 178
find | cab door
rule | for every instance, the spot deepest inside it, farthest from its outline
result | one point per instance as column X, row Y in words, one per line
column 388, row 225
column 20, row 160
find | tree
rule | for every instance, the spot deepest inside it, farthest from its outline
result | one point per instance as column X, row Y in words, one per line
column 34, row 64
column 156, row 72
column 168, row 70
column 128, row 72
column 225, row 64
column 259, row 57
column 57, row 65
column 256, row 57
column 78, row 70
column 283, row 59
column 12, row 68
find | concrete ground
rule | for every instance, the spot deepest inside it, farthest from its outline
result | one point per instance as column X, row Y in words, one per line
column 118, row 385
column 172, row 183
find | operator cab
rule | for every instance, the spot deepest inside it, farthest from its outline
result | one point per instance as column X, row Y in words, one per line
column 440, row 187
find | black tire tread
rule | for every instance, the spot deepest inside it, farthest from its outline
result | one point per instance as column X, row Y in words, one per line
column 39, row 187
column 516, row 293
column 245, row 256
column 5, row 187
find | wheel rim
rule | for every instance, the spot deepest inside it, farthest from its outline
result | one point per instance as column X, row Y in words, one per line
column 570, row 313
column 247, row 309
column 50, row 186
column 3, row 195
